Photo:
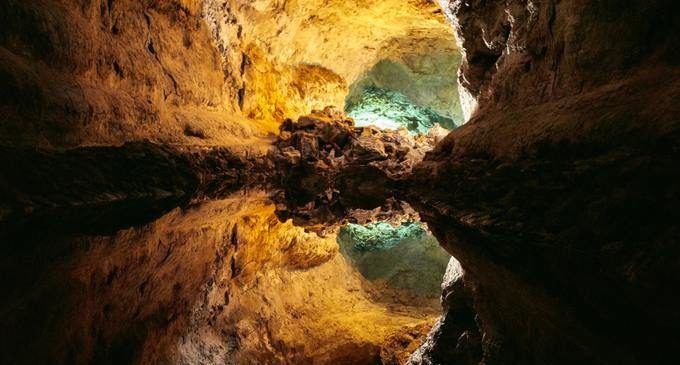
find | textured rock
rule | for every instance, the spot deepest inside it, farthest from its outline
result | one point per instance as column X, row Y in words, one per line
column 187, row 71
column 455, row 338
column 106, row 72
column 558, row 196
column 347, row 37
column 405, row 259
column 426, row 78
column 388, row 109
column 332, row 172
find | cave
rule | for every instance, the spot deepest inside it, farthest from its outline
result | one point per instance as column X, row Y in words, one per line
column 350, row 182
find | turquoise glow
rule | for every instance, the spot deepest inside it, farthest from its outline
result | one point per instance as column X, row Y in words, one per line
column 405, row 257
column 388, row 109
column 380, row 235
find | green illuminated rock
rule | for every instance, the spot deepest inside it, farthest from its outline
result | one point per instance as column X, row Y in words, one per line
column 391, row 109
column 414, row 91
column 380, row 235
column 406, row 258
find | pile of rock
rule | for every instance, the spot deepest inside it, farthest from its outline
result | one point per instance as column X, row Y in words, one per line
column 329, row 168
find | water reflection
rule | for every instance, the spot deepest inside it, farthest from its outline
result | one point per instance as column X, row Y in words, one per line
column 406, row 258
column 216, row 281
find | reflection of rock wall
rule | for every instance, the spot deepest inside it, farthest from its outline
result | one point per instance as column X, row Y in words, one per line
column 221, row 281
column 457, row 325
column 292, row 299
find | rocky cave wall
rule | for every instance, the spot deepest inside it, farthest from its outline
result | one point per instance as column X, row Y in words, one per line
column 105, row 72
column 559, row 196
column 298, row 56
column 187, row 71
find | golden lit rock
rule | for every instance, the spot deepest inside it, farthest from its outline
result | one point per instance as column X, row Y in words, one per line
column 284, row 181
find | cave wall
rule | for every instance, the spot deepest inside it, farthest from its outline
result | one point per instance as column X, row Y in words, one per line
column 347, row 37
column 192, row 72
column 103, row 72
column 298, row 56
column 526, row 58
column 423, row 68
column 558, row 196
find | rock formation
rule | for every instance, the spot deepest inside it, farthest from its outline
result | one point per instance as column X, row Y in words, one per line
column 208, row 72
column 455, row 338
column 106, row 72
column 333, row 172
column 558, row 196
column 172, row 182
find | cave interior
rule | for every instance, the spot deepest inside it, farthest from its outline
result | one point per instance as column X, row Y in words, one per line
column 421, row 182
